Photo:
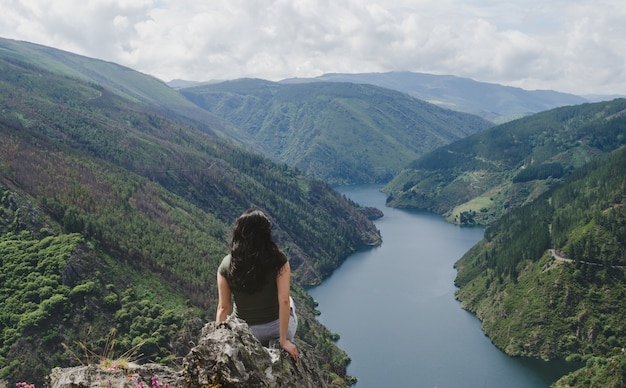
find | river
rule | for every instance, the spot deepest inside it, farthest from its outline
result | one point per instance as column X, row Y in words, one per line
column 394, row 309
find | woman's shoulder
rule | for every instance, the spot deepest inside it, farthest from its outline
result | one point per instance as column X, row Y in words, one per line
column 224, row 265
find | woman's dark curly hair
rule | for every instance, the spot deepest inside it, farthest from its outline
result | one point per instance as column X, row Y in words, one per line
column 253, row 252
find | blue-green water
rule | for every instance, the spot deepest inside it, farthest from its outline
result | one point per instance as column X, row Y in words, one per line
column 395, row 310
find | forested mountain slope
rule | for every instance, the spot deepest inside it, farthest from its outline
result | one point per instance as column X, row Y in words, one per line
column 127, row 83
column 493, row 102
column 114, row 217
column 549, row 278
column 478, row 178
column 339, row 132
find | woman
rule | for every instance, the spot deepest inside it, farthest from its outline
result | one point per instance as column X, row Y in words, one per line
column 257, row 274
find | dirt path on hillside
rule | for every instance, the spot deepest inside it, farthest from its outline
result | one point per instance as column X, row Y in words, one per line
column 557, row 256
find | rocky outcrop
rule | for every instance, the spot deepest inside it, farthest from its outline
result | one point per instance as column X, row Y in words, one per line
column 227, row 355
column 129, row 376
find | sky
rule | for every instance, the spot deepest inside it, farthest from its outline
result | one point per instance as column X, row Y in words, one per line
column 574, row 46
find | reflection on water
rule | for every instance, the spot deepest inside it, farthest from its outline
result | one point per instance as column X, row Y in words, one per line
column 395, row 311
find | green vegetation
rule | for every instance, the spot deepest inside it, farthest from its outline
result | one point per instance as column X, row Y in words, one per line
column 542, row 172
column 600, row 372
column 508, row 165
column 48, row 301
column 125, row 82
column 124, row 154
column 339, row 132
column 567, row 304
column 115, row 214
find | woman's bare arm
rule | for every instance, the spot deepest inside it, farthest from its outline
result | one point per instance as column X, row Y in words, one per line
column 282, row 282
column 224, row 299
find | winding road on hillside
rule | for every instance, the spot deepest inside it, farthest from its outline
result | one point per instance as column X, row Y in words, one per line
column 557, row 256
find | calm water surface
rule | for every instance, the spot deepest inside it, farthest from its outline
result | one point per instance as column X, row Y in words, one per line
column 395, row 311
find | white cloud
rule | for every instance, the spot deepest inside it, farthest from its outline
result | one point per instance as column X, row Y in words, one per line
column 568, row 45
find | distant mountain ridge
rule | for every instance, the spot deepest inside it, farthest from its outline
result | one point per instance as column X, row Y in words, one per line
column 493, row 102
column 342, row 133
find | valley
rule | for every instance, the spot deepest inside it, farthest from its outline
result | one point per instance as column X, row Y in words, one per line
column 118, row 193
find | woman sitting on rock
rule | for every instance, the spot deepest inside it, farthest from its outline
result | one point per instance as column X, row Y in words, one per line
column 257, row 274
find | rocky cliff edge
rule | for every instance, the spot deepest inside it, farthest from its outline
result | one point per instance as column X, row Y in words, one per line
column 227, row 355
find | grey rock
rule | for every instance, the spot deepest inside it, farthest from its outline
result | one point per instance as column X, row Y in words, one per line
column 227, row 356
column 92, row 376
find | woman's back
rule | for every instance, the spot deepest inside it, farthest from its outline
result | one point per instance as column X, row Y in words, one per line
column 256, row 274
column 258, row 307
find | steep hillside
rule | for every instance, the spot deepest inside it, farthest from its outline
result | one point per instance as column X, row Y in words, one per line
column 341, row 133
column 127, row 83
column 549, row 278
column 493, row 102
column 477, row 179
column 114, row 217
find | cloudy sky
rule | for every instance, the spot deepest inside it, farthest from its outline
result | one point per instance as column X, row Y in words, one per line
column 576, row 46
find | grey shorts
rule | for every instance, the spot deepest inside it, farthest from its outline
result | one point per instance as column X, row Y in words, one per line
column 270, row 331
